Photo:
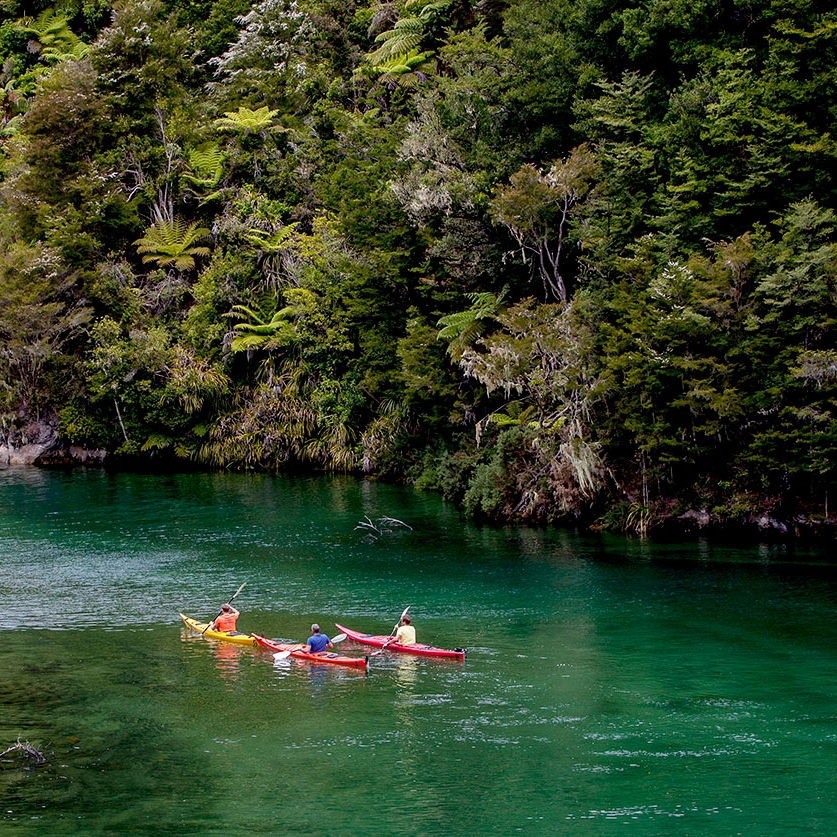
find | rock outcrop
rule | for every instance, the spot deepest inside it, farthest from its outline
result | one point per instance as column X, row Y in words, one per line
column 37, row 443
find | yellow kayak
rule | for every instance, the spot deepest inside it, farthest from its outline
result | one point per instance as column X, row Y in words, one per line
column 227, row 636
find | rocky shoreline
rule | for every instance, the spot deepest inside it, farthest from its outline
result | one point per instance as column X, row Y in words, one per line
column 38, row 444
column 751, row 527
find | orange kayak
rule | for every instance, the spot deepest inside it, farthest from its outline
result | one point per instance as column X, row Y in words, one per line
column 299, row 654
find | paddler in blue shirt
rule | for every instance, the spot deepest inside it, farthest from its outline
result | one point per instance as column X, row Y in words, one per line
column 317, row 642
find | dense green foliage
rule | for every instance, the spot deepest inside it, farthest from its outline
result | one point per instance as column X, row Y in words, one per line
column 556, row 259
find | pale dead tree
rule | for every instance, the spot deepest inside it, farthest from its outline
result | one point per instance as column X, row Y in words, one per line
column 816, row 366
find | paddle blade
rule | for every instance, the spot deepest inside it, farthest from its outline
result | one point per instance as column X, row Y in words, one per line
column 281, row 655
column 338, row 638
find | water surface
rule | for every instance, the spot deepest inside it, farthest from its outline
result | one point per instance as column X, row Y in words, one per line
column 610, row 687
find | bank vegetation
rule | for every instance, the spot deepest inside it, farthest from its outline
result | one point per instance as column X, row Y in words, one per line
column 559, row 260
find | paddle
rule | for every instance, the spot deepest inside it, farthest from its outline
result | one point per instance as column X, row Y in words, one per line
column 282, row 655
column 392, row 634
column 222, row 610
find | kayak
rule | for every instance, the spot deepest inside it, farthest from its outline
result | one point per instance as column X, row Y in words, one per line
column 418, row 648
column 299, row 654
column 227, row 636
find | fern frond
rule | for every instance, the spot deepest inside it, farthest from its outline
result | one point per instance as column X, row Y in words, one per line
column 52, row 37
column 246, row 342
column 453, row 324
column 172, row 243
column 403, row 38
column 271, row 242
column 207, row 163
column 257, row 329
column 262, row 339
column 431, row 12
column 403, row 64
column 246, row 120
column 156, row 441
column 243, row 311
column 67, row 52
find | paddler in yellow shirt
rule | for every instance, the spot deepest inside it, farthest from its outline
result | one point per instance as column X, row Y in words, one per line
column 406, row 633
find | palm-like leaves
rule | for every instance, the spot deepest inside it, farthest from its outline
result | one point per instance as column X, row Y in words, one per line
column 172, row 243
column 246, row 121
column 207, row 164
column 271, row 243
column 404, row 37
column 462, row 328
column 400, row 43
column 401, row 68
column 51, row 36
column 261, row 333
column 65, row 52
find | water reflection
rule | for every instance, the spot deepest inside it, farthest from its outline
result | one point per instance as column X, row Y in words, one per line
column 406, row 671
column 318, row 676
column 282, row 666
column 227, row 661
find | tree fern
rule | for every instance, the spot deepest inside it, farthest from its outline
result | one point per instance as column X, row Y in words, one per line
column 430, row 12
column 401, row 68
column 171, row 243
column 207, row 164
column 398, row 50
column 51, row 37
column 271, row 243
column 156, row 441
column 64, row 52
column 405, row 36
column 262, row 334
column 462, row 328
column 245, row 120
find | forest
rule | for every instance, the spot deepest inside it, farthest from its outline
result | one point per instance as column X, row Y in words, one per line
column 562, row 261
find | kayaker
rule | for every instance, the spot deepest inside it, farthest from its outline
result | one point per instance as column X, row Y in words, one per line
column 406, row 633
column 317, row 642
column 225, row 620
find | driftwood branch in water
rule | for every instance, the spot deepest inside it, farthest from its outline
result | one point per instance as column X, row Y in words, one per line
column 384, row 524
column 28, row 753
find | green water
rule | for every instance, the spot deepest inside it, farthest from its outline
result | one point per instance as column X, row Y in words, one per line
column 610, row 686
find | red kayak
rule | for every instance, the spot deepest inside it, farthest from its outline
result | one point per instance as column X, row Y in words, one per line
column 418, row 648
column 298, row 653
